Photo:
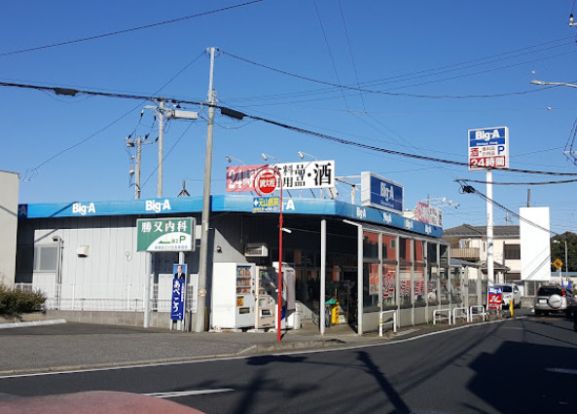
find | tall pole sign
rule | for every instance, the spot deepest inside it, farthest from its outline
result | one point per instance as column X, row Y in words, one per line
column 489, row 150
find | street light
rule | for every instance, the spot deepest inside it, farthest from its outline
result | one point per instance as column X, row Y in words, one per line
column 230, row 158
column 546, row 83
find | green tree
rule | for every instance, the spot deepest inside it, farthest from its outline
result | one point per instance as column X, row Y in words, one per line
column 558, row 250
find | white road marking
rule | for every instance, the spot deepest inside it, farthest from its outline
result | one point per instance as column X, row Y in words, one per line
column 562, row 370
column 176, row 394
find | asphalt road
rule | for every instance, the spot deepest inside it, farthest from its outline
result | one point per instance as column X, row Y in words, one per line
column 520, row 366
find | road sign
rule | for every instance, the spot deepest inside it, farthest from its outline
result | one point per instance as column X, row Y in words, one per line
column 488, row 148
column 165, row 234
column 558, row 264
column 265, row 181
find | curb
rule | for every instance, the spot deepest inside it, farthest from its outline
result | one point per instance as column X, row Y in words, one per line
column 31, row 323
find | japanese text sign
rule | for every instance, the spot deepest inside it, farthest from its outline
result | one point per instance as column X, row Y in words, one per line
column 177, row 301
column 295, row 175
column 165, row 234
column 488, row 148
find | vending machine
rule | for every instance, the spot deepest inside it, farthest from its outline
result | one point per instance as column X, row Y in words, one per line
column 233, row 301
column 265, row 300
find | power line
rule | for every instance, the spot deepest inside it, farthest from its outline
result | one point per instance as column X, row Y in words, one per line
column 241, row 115
column 131, row 29
column 472, row 190
column 463, row 180
column 30, row 173
column 483, row 61
column 384, row 92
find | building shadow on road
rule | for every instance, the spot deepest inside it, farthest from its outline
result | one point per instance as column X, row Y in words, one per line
column 524, row 377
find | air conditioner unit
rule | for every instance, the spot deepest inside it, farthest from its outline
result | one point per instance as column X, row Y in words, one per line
column 256, row 250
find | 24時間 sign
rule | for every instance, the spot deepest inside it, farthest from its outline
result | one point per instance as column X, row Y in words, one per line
column 488, row 148
column 295, row 175
column 380, row 193
column 165, row 234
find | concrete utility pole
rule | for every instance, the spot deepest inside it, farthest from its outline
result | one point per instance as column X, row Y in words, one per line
column 204, row 227
column 160, row 114
column 166, row 114
column 490, row 263
column 131, row 143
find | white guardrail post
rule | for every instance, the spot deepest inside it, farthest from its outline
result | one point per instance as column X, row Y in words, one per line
column 439, row 312
column 465, row 316
column 477, row 310
column 394, row 312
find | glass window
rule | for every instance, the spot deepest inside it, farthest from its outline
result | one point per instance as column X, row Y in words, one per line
column 432, row 274
column 389, row 248
column 419, row 274
column 45, row 258
column 370, row 245
column 405, row 286
column 405, row 251
column 370, row 287
column 444, row 273
column 512, row 251
column 389, row 286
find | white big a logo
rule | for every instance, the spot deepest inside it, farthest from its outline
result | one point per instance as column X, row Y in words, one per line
column 83, row 209
column 157, row 206
column 387, row 192
column 487, row 135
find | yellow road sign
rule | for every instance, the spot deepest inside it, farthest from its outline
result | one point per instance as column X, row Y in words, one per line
column 558, row 263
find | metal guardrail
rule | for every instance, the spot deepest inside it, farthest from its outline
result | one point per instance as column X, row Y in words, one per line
column 439, row 312
column 474, row 311
column 394, row 312
column 464, row 314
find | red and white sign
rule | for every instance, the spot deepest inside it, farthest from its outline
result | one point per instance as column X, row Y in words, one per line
column 425, row 213
column 295, row 175
column 240, row 178
column 488, row 148
column 494, row 299
column 265, row 181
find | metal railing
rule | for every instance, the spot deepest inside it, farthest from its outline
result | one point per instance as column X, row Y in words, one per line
column 477, row 310
column 441, row 317
column 102, row 304
column 381, row 320
column 460, row 312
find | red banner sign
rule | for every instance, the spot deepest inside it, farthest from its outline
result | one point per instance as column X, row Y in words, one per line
column 240, row 178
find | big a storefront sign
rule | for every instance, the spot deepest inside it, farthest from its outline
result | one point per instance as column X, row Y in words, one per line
column 294, row 175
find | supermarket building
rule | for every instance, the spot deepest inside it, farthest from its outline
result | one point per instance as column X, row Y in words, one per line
column 83, row 255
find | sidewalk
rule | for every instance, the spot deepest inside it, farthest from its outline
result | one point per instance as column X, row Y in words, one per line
column 72, row 346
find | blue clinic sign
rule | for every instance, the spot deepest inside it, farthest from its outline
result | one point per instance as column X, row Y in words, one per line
column 178, row 291
column 380, row 193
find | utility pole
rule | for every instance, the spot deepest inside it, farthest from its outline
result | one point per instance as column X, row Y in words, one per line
column 490, row 269
column 163, row 114
column 160, row 114
column 204, row 227
column 137, row 143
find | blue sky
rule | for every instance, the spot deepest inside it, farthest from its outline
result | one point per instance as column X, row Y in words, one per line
column 440, row 48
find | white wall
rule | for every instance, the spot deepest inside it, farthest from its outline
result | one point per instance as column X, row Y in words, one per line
column 535, row 243
column 112, row 269
column 9, row 184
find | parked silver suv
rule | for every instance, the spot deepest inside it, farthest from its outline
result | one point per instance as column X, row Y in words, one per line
column 551, row 298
